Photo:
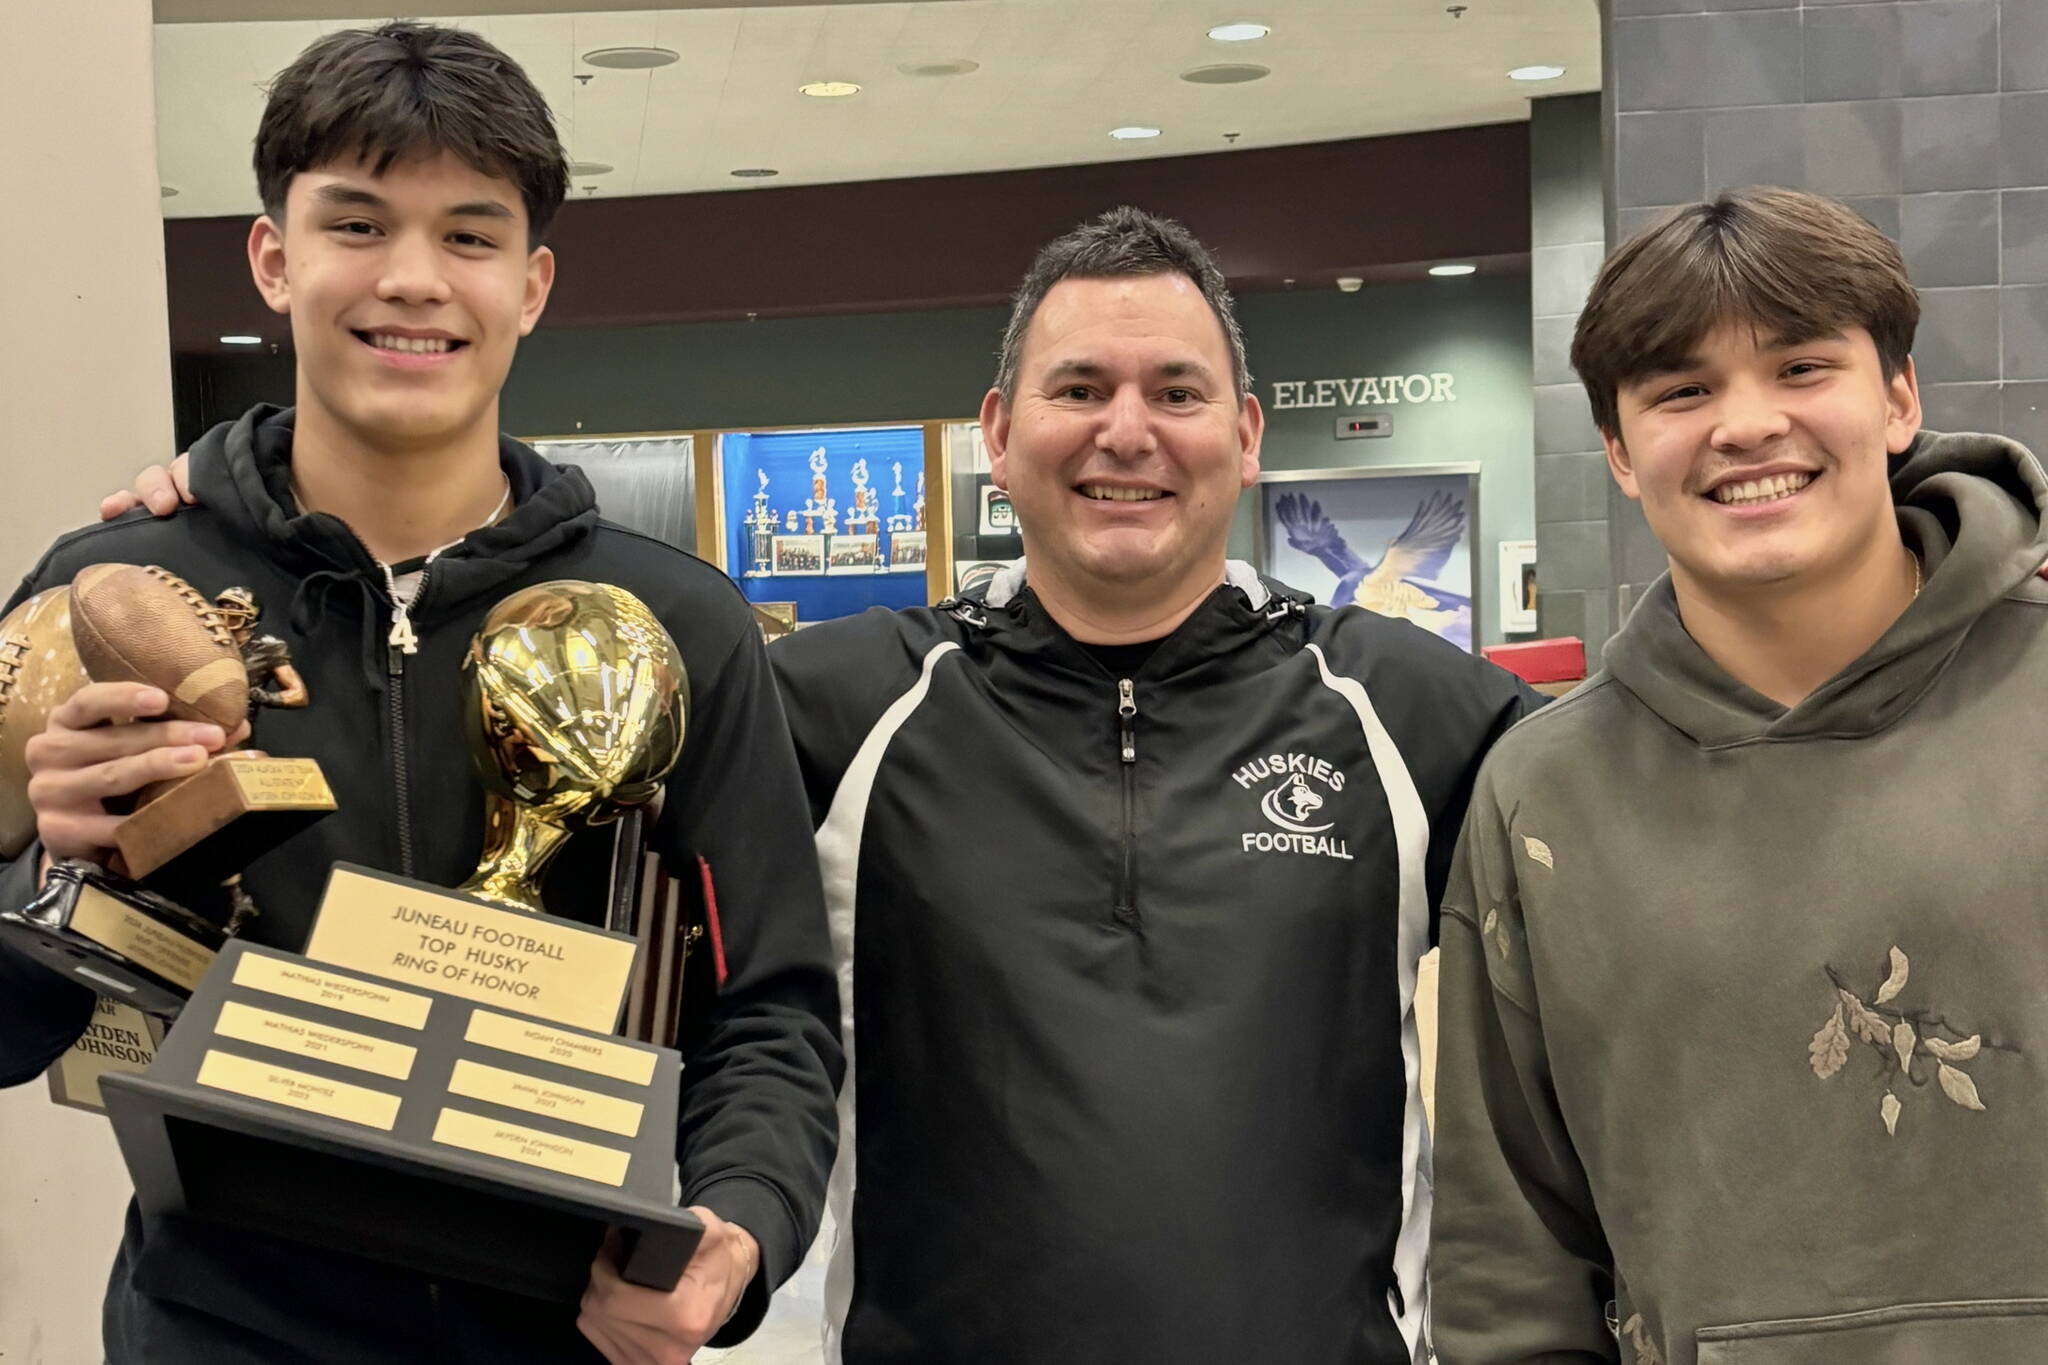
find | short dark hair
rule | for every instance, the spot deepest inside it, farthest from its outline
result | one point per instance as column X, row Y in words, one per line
column 1795, row 266
column 408, row 89
column 1123, row 241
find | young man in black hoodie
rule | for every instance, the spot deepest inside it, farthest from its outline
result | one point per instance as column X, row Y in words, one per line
column 408, row 176
column 1742, row 1019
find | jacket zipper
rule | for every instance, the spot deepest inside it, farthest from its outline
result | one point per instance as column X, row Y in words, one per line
column 1127, row 754
column 397, row 645
column 395, row 670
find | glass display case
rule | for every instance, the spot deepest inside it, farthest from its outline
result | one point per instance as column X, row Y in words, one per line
column 811, row 522
column 986, row 538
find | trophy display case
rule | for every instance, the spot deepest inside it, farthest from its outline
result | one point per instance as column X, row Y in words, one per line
column 812, row 522
column 831, row 520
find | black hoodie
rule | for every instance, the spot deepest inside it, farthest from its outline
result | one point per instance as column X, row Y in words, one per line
column 757, row 1126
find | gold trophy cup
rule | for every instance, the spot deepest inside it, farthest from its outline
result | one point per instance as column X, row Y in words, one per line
column 578, row 700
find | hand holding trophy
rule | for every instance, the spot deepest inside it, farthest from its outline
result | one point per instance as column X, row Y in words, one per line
column 452, row 1051
column 143, row 929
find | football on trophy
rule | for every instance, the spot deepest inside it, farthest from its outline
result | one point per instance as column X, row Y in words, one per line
column 132, row 623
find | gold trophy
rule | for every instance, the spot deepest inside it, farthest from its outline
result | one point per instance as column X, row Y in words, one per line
column 577, row 702
column 455, row 1049
column 144, row 931
column 579, row 699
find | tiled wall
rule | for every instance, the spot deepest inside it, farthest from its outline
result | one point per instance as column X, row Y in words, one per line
column 1567, row 238
column 1930, row 116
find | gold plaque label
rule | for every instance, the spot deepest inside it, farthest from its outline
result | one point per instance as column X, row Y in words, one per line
column 117, row 1041
column 297, row 981
column 376, row 1055
column 140, row 939
column 598, row 1056
column 297, row 1089
column 531, row 1147
column 282, row 784
column 534, row 964
column 573, row 1104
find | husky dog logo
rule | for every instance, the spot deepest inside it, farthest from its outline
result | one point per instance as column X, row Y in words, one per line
column 1294, row 804
column 1297, row 793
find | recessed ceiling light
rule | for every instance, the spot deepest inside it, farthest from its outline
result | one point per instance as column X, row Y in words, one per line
column 1350, row 284
column 631, row 58
column 755, row 172
column 1456, row 268
column 958, row 66
column 581, row 169
column 1535, row 73
column 167, row 191
column 1238, row 33
column 242, row 341
column 1227, row 73
column 1133, row 133
column 829, row 90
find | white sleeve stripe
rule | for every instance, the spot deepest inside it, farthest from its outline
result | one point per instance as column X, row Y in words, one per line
column 1411, row 844
column 839, row 841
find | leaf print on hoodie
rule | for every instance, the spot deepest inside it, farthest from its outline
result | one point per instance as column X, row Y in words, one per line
column 1901, row 1038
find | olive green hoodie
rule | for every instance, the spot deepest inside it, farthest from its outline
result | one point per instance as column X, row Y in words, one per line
column 1745, row 1009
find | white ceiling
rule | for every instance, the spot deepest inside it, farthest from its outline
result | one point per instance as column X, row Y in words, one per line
column 1055, row 76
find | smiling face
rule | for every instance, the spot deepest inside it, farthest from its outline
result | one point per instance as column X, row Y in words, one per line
column 1126, row 444
column 1761, row 461
column 408, row 293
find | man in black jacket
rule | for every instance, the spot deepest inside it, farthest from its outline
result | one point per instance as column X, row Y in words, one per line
column 1129, row 863
column 408, row 176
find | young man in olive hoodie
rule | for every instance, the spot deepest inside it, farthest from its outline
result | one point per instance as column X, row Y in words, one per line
column 1742, row 1010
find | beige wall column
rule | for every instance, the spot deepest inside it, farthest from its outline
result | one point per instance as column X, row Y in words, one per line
column 85, row 400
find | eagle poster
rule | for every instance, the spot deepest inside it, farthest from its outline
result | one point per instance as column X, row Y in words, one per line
column 1397, row 544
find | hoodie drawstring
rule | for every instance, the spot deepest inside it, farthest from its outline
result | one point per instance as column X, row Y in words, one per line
column 309, row 609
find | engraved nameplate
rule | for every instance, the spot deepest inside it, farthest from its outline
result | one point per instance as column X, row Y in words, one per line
column 135, row 936
column 573, row 1104
column 531, row 1147
column 297, row 1089
column 343, row 1047
column 281, row 784
column 297, row 981
column 535, row 964
column 599, row 1056
column 118, row 1041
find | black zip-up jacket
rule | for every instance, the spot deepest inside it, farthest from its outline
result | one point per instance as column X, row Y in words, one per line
column 757, row 1124
column 1129, row 967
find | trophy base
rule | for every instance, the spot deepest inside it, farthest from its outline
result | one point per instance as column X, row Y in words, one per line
column 409, row 1127
column 122, row 940
column 187, row 827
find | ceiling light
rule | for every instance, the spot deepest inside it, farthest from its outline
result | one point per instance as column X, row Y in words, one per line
column 1133, row 134
column 1535, row 73
column 1238, row 33
column 167, row 191
column 241, row 341
column 1456, row 268
column 755, row 172
column 958, row 66
column 829, row 90
column 631, row 58
column 1350, row 284
column 1226, row 73
column 581, row 169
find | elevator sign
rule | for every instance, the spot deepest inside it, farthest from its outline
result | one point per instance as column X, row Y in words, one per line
column 1368, row 391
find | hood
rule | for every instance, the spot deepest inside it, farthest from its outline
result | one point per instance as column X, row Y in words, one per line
column 1973, row 506
column 241, row 470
